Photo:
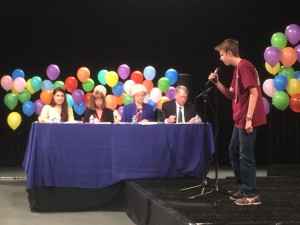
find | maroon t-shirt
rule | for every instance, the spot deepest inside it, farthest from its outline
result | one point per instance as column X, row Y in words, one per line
column 245, row 76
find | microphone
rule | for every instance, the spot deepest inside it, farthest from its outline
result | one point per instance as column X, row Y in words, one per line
column 205, row 92
column 214, row 81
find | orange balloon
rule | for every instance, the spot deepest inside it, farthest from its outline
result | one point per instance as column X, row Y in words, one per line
column 111, row 101
column 120, row 99
column 71, row 84
column 83, row 74
column 137, row 77
column 295, row 102
column 148, row 84
column 161, row 101
column 288, row 56
column 46, row 97
column 87, row 98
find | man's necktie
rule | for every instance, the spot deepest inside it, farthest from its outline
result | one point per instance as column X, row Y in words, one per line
column 180, row 115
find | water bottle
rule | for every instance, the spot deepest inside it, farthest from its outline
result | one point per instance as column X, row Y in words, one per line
column 91, row 119
column 58, row 119
column 134, row 120
column 197, row 119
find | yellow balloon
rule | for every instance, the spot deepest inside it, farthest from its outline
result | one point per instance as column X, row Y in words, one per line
column 13, row 90
column 14, row 120
column 272, row 70
column 161, row 101
column 293, row 87
column 111, row 78
column 29, row 88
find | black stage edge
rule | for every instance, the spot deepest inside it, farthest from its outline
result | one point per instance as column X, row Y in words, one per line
column 160, row 202
column 60, row 199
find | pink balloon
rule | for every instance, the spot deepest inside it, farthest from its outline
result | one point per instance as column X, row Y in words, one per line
column 38, row 106
column 123, row 71
column 269, row 88
column 297, row 48
column 6, row 82
column 292, row 32
column 19, row 84
column 53, row 71
column 155, row 94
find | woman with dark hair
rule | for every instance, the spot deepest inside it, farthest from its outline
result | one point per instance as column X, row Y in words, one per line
column 97, row 108
column 58, row 109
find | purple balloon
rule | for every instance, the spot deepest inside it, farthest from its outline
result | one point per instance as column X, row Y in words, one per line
column 38, row 106
column 123, row 71
column 171, row 93
column 78, row 96
column 53, row 71
column 292, row 32
column 120, row 110
column 272, row 55
column 297, row 48
column 266, row 105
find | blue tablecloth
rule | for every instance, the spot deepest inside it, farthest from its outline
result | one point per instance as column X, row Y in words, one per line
column 99, row 155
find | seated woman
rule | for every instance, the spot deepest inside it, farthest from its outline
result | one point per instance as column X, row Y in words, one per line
column 142, row 111
column 58, row 109
column 97, row 108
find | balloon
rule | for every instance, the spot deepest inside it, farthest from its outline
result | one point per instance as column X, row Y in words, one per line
column 46, row 97
column 148, row 85
column 272, row 55
column 297, row 75
column 123, row 71
column 101, row 76
column 71, row 84
column 18, row 73
column 120, row 110
column 79, row 108
column 120, row 99
column 111, row 102
column 28, row 108
column 137, row 77
column 70, row 100
column 11, row 100
column 279, row 40
column 88, row 85
column 149, row 73
column 6, row 82
column 280, row 82
column 295, row 102
column 19, row 84
column 47, row 85
column 172, row 75
column 155, row 94
column 111, row 78
column 266, row 105
column 24, row 96
column 57, row 84
column 14, row 120
column 269, row 88
column 38, row 106
column 146, row 99
column 171, row 93
column 297, row 49
column 280, row 100
column 161, row 101
column 272, row 70
column 292, row 33
column 288, row 72
column 101, row 88
column 83, row 74
column 288, row 56
column 118, row 89
column 36, row 83
column 78, row 96
column 128, row 85
column 87, row 98
column 163, row 84
column 28, row 87
column 293, row 87
column 150, row 102
column 52, row 71
column 127, row 99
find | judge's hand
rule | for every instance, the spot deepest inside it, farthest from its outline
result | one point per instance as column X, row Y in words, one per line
column 172, row 119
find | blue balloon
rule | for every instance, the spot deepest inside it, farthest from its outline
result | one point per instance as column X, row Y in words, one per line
column 172, row 75
column 149, row 73
column 28, row 108
column 280, row 82
column 79, row 108
column 118, row 89
column 18, row 73
column 297, row 75
column 47, row 85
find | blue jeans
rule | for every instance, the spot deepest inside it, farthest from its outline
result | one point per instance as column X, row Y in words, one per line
column 241, row 154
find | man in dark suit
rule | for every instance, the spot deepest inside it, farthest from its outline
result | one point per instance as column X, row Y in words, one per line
column 172, row 108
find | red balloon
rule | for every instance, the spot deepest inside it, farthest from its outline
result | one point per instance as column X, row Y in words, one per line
column 295, row 102
column 137, row 77
column 87, row 98
column 71, row 84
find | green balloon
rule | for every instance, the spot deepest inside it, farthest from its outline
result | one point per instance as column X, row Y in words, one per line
column 11, row 100
column 88, row 85
column 58, row 83
column 127, row 99
column 279, row 40
column 288, row 72
column 24, row 96
column 280, row 100
column 163, row 84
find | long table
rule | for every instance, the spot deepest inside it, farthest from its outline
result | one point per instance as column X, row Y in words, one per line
column 102, row 155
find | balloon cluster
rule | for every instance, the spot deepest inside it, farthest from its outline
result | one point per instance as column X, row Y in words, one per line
column 120, row 82
column 284, row 88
